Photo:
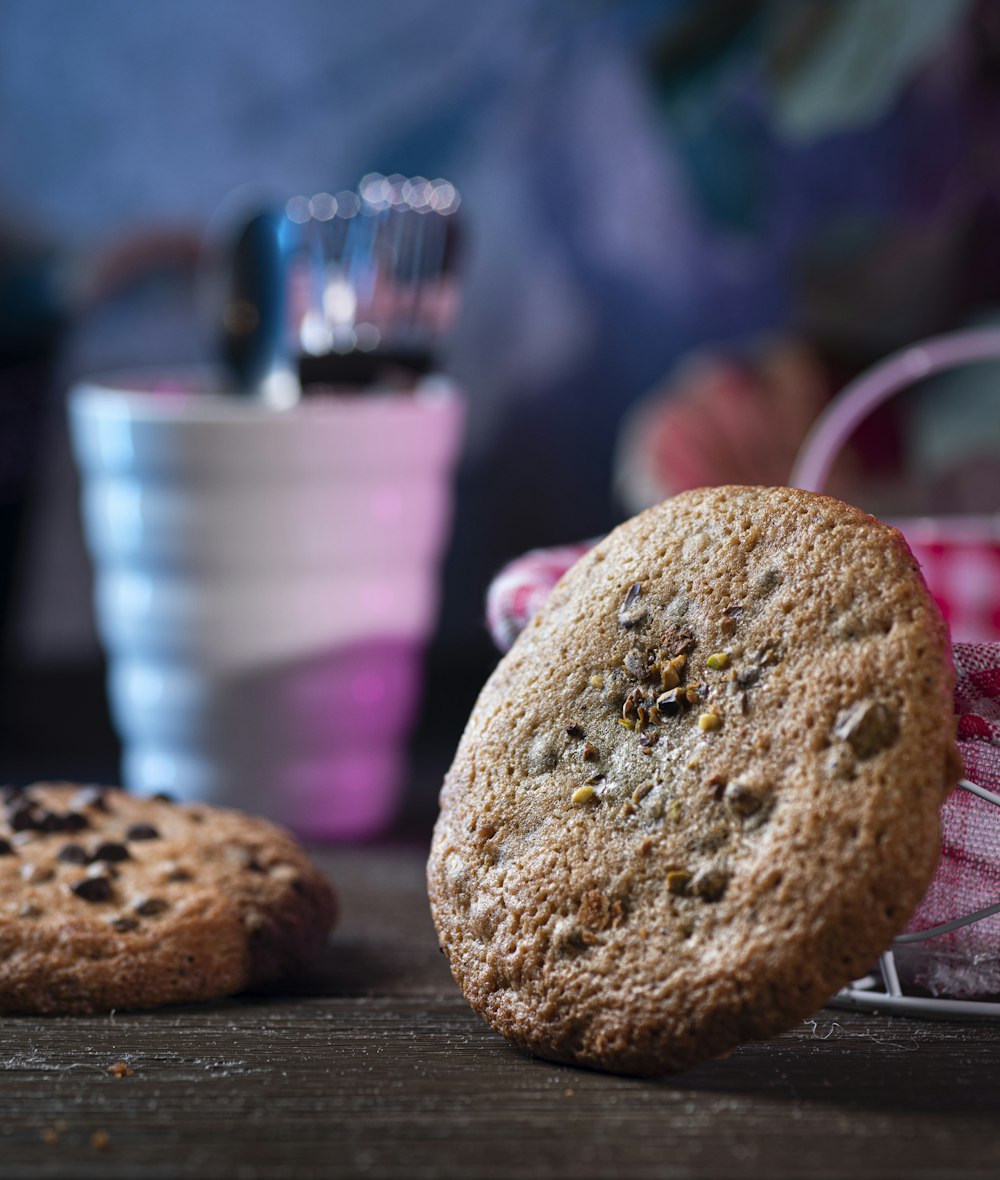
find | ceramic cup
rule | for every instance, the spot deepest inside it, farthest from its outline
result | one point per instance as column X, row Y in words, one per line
column 264, row 583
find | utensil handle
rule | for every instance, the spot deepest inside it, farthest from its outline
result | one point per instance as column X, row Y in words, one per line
column 837, row 423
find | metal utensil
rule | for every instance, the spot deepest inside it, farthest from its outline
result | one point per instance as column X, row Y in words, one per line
column 255, row 313
column 353, row 290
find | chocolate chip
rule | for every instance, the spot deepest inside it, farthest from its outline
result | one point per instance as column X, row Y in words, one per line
column 73, row 821
column 6, row 848
column 124, row 924
column 149, row 907
column 575, row 730
column 142, row 832
column 178, row 873
column 111, row 852
column 92, row 888
column 24, row 816
column 50, row 821
column 74, row 854
column 95, row 797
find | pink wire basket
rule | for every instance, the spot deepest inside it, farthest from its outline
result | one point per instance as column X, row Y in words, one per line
column 959, row 555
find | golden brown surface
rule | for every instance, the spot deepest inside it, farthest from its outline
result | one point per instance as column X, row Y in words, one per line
column 640, row 896
column 131, row 903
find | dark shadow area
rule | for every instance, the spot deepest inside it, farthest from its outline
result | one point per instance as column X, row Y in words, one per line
column 892, row 1065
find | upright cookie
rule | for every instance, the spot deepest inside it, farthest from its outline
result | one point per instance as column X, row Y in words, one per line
column 112, row 901
column 701, row 791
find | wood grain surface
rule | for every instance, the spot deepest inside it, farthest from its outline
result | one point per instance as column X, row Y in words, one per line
column 373, row 1066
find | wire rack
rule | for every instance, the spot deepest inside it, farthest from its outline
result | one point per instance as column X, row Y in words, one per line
column 881, row 991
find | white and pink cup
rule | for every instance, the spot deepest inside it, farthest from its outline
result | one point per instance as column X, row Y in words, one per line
column 265, row 584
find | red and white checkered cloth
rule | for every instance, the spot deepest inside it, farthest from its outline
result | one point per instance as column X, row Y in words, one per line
column 962, row 570
column 965, row 962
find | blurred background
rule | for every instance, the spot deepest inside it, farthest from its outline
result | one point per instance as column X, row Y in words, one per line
column 684, row 226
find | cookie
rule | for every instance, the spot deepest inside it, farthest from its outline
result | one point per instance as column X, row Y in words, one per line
column 110, row 901
column 701, row 791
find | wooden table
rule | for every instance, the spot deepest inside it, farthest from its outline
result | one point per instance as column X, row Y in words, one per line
column 374, row 1066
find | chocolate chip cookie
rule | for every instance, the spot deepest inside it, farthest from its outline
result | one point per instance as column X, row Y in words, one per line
column 110, row 901
column 701, row 791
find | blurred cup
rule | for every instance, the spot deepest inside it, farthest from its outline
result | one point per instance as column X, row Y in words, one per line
column 265, row 583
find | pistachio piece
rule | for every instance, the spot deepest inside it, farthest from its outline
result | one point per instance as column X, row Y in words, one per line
column 678, row 881
column 708, row 722
column 583, row 794
column 718, row 661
